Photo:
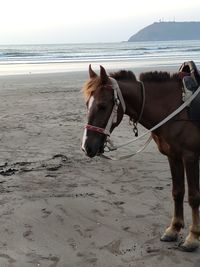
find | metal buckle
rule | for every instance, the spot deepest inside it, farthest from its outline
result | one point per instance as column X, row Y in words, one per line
column 117, row 102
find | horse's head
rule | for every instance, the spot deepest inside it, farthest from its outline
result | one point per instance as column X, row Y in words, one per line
column 105, row 111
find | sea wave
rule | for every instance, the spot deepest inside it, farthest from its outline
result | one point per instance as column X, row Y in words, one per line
column 171, row 50
column 193, row 50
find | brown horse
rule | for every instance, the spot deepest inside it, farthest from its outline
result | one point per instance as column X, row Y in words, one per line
column 178, row 139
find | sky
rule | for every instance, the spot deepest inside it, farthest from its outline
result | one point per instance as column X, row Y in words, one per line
column 86, row 21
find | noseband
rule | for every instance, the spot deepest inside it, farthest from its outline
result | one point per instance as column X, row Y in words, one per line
column 118, row 98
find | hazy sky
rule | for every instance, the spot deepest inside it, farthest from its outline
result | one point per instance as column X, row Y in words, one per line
column 72, row 21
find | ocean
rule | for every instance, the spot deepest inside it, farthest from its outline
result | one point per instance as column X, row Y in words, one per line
column 18, row 59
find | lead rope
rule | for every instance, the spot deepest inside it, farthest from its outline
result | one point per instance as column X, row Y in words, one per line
column 169, row 117
column 129, row 155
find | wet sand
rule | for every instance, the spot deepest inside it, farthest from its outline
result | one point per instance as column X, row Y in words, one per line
column 62, row 209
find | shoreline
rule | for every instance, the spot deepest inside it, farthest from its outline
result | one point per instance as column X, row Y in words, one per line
column 63, row 67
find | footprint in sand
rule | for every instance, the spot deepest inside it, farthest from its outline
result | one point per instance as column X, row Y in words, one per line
column 28, row 234
column 97, row 212
column 7, row 258
column 88, row 257
column 72, row 243
column 46, row 213
column 84, row 233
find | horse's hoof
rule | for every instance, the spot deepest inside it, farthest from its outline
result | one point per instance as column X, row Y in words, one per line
column 185, row 247
column 169, row 238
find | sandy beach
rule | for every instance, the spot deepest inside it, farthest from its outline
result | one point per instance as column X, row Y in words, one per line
column 62, row 209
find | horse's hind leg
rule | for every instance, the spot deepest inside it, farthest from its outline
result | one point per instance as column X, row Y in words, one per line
column 178, row 190
column 192, row 171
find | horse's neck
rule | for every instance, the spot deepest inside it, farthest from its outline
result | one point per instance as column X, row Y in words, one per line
column 161, row 99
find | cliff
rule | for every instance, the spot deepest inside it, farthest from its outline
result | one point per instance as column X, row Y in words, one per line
column 168, row 31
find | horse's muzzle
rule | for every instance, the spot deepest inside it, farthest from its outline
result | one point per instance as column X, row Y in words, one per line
column 93, row 143
column 93, row 150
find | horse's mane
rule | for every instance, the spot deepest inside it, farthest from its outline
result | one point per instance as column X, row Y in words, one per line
column 93, row 83
column 159, row 76
column 123, row 75
column 90, row 86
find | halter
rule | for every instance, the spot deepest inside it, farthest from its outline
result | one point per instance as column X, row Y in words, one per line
column 135, row 122
column 118, row 98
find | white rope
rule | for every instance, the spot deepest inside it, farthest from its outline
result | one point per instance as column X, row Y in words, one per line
column 169, row 117
column 129, row 155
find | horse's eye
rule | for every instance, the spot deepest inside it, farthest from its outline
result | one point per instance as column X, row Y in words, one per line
column 102, row 106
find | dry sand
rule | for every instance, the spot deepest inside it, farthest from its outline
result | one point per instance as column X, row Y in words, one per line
column 61, row 209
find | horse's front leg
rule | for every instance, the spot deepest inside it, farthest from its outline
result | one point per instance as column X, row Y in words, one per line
column 178, row 191
column 192, row 171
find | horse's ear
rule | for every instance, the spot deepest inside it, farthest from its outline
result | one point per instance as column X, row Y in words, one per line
column 103, row 75
column 91, row 72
